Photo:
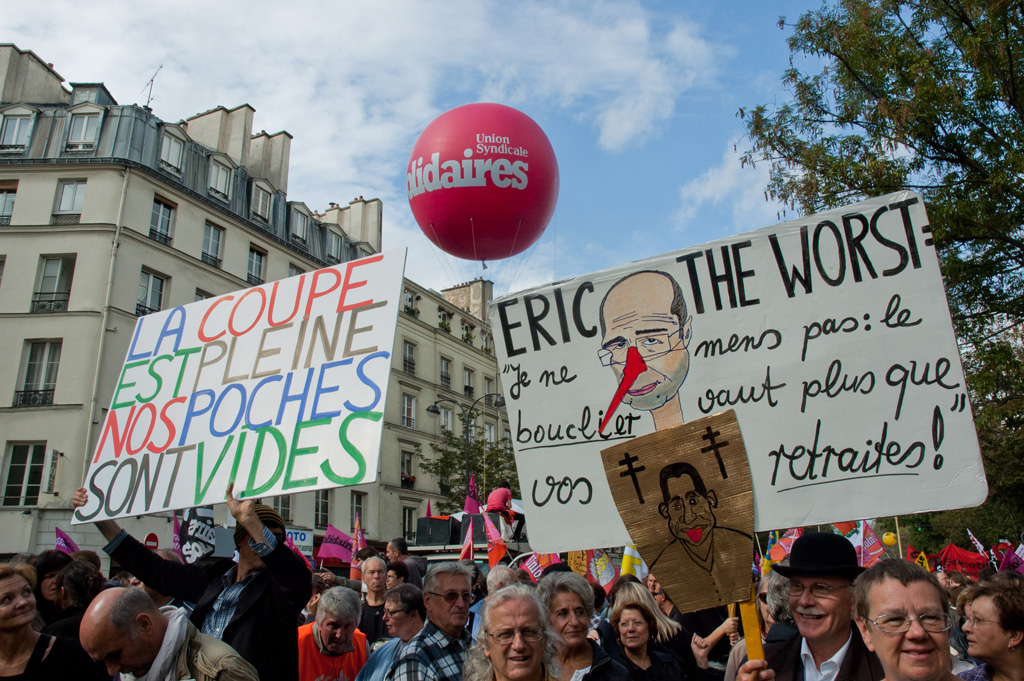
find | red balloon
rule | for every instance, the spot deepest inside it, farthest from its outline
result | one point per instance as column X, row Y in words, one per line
column 482, row 181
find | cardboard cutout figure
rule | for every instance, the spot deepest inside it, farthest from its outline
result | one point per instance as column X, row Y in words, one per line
column 685, row 496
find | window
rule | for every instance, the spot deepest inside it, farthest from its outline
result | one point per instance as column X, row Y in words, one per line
column 16, row 132
column 406, row 464
column 447, row 418
column 54, row 288
column 70, row 198
column 446, row 373
column 3, row 260
column 444, row 321
column 170, row 152
column 283, row 505
column 467, row 382
column 467, row 332
column 257, row 266
column 409, row 303
column 220, row 179
column 408, row 411
column 294, row 270
column 357, row 502
column 83, row 130
column 160, row 222
column 300, row 225
column 24, row 474
column 260, row 203
column 488, row 391
column 6, row 205
column 321, row 509
column 202, row 295
column 213, row 237
column 151, row 293
column 40, row 374
column 408, row 358
column 490, row 433
column 333, row 247
column 409, row 523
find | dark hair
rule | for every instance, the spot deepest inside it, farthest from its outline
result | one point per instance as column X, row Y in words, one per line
column 986, row 572
column 81, row 582
column 678, row 470
column 622, row 579
column 903, row 571
column 1008, row 597
column 400, row 545
column 50, row 561
column 319, row 584
column 400, row 569
column 599, row 596
column 90, row 557
column 474, row 571
column 677, row 307
column 366, row 552
column 408, row 597
column 645, row 612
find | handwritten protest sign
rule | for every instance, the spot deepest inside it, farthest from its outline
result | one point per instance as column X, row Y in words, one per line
column 197, row 536
column 829, row 336
column 278, row 389
column 685, row 497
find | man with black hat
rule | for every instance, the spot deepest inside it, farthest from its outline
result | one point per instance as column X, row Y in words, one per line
column 821, row 571
column 252, row 606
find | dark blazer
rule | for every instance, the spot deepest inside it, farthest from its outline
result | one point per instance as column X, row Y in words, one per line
column 860, row 664
column 262, row 629
column 604, row 668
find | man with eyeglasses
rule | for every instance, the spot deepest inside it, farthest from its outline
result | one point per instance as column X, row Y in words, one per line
column 512, row 639
column 404, row 615
column 438, row 651
column 645, row 332
column 821, row 572
column 903, row 614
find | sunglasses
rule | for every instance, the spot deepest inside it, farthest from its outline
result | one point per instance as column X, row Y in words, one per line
column 451, row 597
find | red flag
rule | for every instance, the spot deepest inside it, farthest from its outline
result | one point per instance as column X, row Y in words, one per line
column 495, row 544
column 911, row 553
column 295, row 549
column 429, row 514
column 845, row 528
column 65, row 543
column 467, row 544
column 872, row 550
column 472, row 504
column 601, row 569
column 358, row 542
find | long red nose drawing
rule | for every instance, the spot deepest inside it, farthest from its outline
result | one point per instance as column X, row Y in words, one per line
column 635, row 365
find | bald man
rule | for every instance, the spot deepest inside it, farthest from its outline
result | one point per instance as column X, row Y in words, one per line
column 127, row 632
column 371, row 615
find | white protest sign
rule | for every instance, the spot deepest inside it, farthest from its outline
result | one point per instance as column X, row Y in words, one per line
column 278, row 388
column 830, row 336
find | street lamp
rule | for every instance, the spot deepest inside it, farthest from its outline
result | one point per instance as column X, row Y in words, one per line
column 466, row 413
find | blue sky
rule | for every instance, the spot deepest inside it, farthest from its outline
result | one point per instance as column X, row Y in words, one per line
column 639, row 100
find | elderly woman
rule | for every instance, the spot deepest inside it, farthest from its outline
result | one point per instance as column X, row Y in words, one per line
column 570, row 602
column 636, row 626
column 24, row 652
column 516, row 640
column 994, row 625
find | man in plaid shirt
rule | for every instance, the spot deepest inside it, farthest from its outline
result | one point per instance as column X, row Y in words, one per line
column 438, row 652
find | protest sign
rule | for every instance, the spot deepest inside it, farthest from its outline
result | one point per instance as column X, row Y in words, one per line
column 196, row 535
column 830, row 337
column 278, row 389
column 690, row 514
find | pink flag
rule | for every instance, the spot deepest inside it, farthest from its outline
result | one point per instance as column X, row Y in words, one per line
column 429, row 514
column 873, row 550
column 467, row 544
column 472, row 504
column 495, row 544
column 1012, row 561
column 64, row 542
column 336, row 544
column 176, row 536
column 295, row 549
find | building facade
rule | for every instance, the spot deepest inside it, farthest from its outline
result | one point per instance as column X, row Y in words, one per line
column 108, row 213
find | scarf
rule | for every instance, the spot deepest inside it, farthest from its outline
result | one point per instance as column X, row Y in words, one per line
column 163, row 667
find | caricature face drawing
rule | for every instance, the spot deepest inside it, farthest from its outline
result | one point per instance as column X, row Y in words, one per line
column 646, row 311
column 688, row 505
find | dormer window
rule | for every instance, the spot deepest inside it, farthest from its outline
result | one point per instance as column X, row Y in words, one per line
column 260, row 203
column 84, row 130
column 333, row 248
column 171, row 149
column 300, row 225
column 220, row 179
column 15, row 133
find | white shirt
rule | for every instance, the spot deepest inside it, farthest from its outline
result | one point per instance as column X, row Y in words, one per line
column 829, row 668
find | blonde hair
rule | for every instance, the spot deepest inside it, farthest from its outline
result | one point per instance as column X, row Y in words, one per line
column 636, row 595
column 23, row 570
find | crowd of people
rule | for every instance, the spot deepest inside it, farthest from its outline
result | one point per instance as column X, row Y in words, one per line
column 821, row 618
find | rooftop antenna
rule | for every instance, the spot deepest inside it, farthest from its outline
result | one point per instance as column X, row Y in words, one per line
column 149, row 85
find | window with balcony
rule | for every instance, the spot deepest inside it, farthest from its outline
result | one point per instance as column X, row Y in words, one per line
column 40, row 375
column 409, row 523
column 23, row 474
column 467, row 382
column 161, row 221
column 151, row 293
column 322, row 509
column 409, row 299
column 467, row 332
column 70, row 198
column 444, row 321
column 54, row 288
column 171, row 149
column 257, row 271
column 7, row 195
column 356, row 509
column 408, row 474
column 83, row 132
column 488, row 390
column 260, row 203
column 333, row 247
column 408, row 411
column 300, row 225
column 15, row 134
column 447, row 418
column 213, row 240
column 283, row 505
column 446, row 373
column 408, row 358
column 220, row 179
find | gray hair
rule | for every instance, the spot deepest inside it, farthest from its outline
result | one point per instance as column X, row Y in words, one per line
column 556, row 583
column 338, row 603
column 371, row 559
column 776, row 590
column 452, row 568
column 478, row 665
column 126, row 607
column 499, row 576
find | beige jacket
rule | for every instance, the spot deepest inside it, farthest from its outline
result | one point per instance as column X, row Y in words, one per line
column 205, row 658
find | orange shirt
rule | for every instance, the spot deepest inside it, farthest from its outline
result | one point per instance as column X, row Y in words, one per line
column 315, row 666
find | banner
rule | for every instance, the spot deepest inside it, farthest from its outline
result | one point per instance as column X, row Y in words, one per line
column 872, row 548
column 65, row 543
column 277, row 388
column 955, row 558
column 829, row 336
column 472, row 503
column 336, row 544
column 601, row 569
column 495, row 544
column 1012, row 561
column 467, row 544
column 197, row 537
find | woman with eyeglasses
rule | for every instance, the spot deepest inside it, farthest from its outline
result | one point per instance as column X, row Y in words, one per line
column 636, row 628
column 994, row 624
column 570, row 601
